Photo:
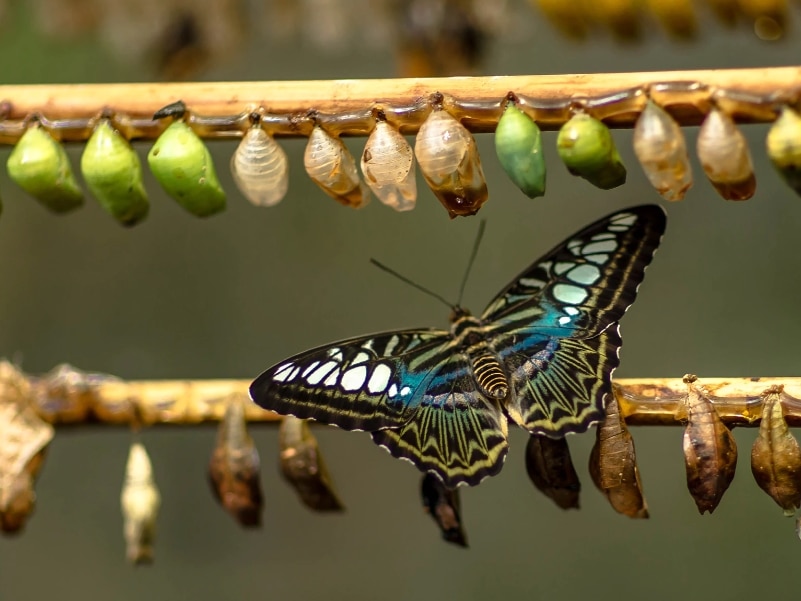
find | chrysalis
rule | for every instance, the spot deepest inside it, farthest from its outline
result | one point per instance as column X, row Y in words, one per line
column 443, row 505
column 24, row 437
column 331, row 166
column 776, row 456
column 140, row 502
column 724, row 155
column 113, row 173
column 550, row 468
column 518, row 144
column 388, row 167
column 182, row 165
column 260, row 168
column 660, row 147
column 303, row 467
column 710, row 453
column 784, row 147
column 613, row 464
column 41, row 167
column 448, row 157
column 234, row 467
column 586, row 146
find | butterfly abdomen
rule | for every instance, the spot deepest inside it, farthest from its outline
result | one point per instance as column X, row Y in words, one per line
column 489, row 375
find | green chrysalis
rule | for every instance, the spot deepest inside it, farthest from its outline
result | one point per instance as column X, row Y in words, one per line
column 113, row 172
column 41, row 167
column 518, row 144
column 587, row 149
column 784, row 147
column 182, row 165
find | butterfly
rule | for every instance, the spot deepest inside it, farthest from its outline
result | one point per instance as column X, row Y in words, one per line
column 541, row 355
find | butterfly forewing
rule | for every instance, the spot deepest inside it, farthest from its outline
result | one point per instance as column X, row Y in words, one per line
column 365, row 383
column 586, row 283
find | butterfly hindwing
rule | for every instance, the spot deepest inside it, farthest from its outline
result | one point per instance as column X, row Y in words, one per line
column 584, row 284
column 562, row 385
column 364, row 383
column 455, row 432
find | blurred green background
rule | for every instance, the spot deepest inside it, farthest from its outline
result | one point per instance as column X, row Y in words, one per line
column 179, row 297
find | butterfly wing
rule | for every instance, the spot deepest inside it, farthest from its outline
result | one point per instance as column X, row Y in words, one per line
column 586, row 283
column 455, row 432
column 555, row 326
column 412, row 389
column 364, row 383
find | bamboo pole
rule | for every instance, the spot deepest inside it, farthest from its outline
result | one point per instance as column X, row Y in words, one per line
column 67, row 396
column 749, row 95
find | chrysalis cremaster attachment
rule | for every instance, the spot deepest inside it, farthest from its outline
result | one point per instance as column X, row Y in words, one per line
column 113, row 172
column 182, row 165
column 388, row 167
column 518, row 144
column 710, row 453
column 660, row 148
column 303, row 467
column 550, row 468
column 41, row 167
column 784, row 147
column 260, row 168
column 140, row 502
column 724, row 155
column 776, row 456
column 234, row 467
column 587, row 149
column 448, row 157
column 613, row 464
column 331, row 166
column 443, row 505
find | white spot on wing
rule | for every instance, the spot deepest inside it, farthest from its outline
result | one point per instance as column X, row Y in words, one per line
column 563, row 321
column 285, row 373
column 361, row 357
column 598, row 259
column 318, row 374
column 560, row 268
column 310, row 368
column 393, row 390
column 566, row 293
column 405, row 391
column 379, row 380
column 353, row 379
column 531, row 282
column 607, row 246
column 393, row 342
column 571, row 311
column 626, row 219
column 584, row 274
column 335, row 353
column 332, row 378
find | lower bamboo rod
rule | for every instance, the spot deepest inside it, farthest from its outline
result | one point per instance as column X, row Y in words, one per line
column 67, row 396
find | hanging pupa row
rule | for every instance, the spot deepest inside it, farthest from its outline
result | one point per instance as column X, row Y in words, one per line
column 444, row 149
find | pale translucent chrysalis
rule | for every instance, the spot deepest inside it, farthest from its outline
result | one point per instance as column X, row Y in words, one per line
column 234, row 467
column 332, row 167
column 448, row 157
column 660, row 147
column 41, row 167
column 388, row 167
column 140, row 502
column 260, row 168
column 724, row 155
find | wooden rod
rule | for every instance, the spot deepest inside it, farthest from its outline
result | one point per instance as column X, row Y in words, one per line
column 67, row 396
column 750, row 95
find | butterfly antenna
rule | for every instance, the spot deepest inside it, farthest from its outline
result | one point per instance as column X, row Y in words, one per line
column 476, row 244
column 411, row 283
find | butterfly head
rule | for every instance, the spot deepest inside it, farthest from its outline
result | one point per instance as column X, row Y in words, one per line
column 458, row 313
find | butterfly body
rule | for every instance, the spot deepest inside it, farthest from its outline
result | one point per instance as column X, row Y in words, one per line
column 541, row 355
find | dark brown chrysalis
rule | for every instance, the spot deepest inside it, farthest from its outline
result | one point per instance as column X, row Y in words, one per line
column 442, row 504
column 613, row 464
column 550, row 468
column 710, row 453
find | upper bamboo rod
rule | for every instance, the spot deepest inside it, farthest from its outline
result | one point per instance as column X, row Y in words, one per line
column 749, row 95
column 68, row 396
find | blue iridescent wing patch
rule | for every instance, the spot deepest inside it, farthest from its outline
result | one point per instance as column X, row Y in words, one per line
column 542, row 354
